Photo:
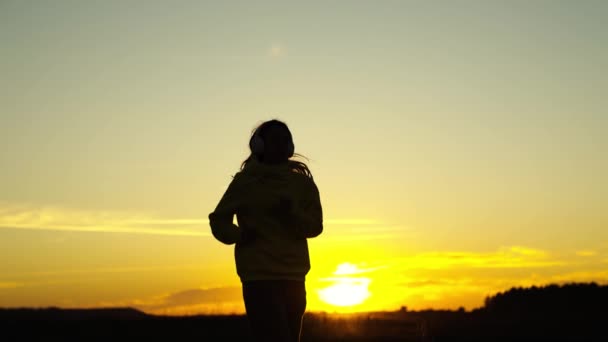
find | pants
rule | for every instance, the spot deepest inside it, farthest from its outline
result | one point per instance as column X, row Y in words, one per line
column 275, row 309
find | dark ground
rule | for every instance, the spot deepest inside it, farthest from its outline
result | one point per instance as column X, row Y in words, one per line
column 573, row 312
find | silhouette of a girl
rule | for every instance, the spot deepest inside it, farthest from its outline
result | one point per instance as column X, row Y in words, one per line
column 277, row 207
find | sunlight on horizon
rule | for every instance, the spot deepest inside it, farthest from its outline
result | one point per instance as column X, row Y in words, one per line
column 345, row 290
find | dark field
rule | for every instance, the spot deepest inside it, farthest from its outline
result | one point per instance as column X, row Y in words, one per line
column 574, row 312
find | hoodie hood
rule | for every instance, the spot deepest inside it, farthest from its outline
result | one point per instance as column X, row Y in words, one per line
column 261, row 171
column 255, row 167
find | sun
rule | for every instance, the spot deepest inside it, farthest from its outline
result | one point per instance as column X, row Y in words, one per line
column 345, row 290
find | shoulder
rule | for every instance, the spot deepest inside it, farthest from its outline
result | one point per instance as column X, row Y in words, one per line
column 305, row 182
column 239, row 179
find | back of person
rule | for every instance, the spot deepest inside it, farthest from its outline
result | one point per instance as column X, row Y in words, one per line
column 279, row 249
column 277, row 206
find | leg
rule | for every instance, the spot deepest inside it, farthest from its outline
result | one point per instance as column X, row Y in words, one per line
column 265, row 311
column 295, row 305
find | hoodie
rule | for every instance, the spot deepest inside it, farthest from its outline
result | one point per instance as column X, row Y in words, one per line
column 277, row 210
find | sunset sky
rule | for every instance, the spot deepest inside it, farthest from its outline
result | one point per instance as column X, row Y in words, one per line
column 459, row 147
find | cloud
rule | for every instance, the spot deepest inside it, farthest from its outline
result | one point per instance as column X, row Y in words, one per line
column 505, row 257
column 85, row 271
column 350, row 222
column 586, row 253
column 426, row 282
column 49, row 217
column 327, row 239
column 347, row 268
column 24, row 216
column 581, row 276
column 9, row 285
column 199, row 296
column 190, row 301
column 361, row 229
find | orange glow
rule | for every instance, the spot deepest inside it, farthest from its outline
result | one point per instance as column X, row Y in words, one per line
column 345, row 290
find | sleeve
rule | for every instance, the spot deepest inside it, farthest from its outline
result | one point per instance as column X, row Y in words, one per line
column 221, row 218
column 307, row 219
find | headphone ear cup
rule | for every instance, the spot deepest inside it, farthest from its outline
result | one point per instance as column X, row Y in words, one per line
column 257, row 145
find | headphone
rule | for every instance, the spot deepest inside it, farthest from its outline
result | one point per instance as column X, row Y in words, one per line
column 256, row 144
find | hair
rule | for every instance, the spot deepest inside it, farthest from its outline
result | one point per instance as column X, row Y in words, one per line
column 295, row 165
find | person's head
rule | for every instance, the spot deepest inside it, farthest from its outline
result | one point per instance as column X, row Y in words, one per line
column 272, row 143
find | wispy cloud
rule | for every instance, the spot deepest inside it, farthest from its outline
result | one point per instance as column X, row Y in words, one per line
column 347, row 269
column 9, row 285
column 357, row 229
column 50, row 217
column 586, row 253
column 351, row 222
column 223, row 299
column 25, row 216
column 505, row 257
column 600, row 276
column 99, row 270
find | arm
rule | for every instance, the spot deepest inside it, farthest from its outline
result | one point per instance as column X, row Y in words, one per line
column 307, row 220
column 221, row 218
